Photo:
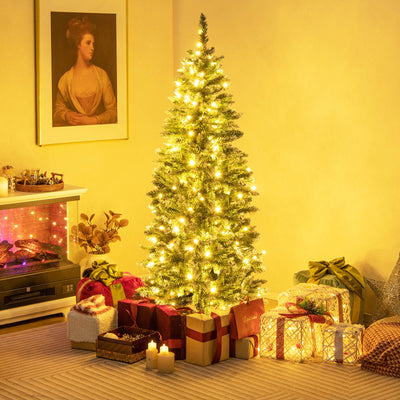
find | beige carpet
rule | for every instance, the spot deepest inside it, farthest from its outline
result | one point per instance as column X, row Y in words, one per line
column 38, row 363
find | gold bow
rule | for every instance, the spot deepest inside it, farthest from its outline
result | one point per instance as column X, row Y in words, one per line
column 347, row 274
column 105, row 272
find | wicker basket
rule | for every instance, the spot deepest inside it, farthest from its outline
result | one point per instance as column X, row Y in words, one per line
column 125, row 350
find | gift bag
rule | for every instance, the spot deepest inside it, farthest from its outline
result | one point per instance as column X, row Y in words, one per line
column 244, row 318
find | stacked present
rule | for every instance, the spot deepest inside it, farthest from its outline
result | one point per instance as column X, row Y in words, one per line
column 294, row 330
column 338, row 274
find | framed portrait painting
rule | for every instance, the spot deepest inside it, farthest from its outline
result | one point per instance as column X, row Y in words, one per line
column 81, row 71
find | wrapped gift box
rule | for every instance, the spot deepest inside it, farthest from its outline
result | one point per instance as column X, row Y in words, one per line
column 87, row 319
column 245, row 348
column 130, row 346
column 171, row 323
column 121, row 288
column 285, row 338
column 342, row 343
column 207, row 338
column 139, row 313
column 335, row 300
column 357, row 304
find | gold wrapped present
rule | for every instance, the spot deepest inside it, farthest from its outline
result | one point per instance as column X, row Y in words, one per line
column 207, row 338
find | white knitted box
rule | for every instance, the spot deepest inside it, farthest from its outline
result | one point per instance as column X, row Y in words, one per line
column 88, row 319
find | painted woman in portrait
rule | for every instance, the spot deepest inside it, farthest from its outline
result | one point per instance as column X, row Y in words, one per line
column 85, row 95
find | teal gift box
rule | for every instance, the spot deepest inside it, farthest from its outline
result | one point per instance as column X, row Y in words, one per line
column 356, row 303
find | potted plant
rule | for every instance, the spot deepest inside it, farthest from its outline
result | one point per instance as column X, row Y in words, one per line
column 96, row 240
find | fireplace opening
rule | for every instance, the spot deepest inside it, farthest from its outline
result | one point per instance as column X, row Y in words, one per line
column 34, row 255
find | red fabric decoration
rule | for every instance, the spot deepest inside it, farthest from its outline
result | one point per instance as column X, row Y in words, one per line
column 87, row 287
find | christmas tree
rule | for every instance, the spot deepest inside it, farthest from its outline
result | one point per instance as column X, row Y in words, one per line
column 201, row 248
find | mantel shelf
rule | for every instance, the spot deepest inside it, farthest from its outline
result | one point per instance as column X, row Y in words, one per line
column 20, row 199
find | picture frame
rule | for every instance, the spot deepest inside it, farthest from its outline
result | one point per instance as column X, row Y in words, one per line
column 81, row 71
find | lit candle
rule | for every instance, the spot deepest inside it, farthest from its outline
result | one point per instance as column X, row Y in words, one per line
column 3, row 186
column 165, row 360
column 151, row 355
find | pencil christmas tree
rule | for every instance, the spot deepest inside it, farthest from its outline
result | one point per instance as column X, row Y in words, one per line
column 201, row 249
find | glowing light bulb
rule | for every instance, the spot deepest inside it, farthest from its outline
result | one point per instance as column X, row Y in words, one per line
column 161, row 228
column 191, row 133
column 198, row 44
column 198, row 53
column 160, row 195
column 240, row 195
column 214, row 104
column 177, row 83
column 196, row 241
column 196, row 82
column 162, row 258
column 173, row 187
column 190, row 248
column 248, row 169
column 213, row 289
column 201, row 198
column 176, row 229
column 192, row 163
column 182, row 220
column 218, row 209
column 189, row 276
column 218, row 174
column 190, row 209
column 153, row 239
column 253, row 188
column 207, row 254
column 225, row 84
column 245, row 228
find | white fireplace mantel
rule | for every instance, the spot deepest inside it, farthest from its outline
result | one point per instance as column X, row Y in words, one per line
column 21, row 199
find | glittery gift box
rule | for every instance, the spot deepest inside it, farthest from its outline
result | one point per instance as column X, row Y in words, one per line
column 336, row 301
column 342, row 343
column 286, row 338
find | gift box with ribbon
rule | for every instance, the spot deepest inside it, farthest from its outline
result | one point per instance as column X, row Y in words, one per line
column 342, row 343
column 245, row 348
column 293, row 332
column 244, row 321
column 105, row 279
column 137, row 313
column 171, row 323
column 207, row 338
column 337, row 273
column 336, row 301
column 87, row 319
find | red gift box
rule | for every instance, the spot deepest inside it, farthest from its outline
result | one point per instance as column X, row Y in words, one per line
column 137, row 313
column 171, row 323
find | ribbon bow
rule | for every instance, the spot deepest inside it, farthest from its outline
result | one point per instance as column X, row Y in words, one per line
column 347, row 274
column 309, row 309
column 105, row 272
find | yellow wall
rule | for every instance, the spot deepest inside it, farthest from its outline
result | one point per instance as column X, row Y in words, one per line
column 116, row 173
column 317, row 84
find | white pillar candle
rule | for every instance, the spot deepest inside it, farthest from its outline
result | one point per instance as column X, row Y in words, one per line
column 151, row 355
column 3, row 186
column 165, row 360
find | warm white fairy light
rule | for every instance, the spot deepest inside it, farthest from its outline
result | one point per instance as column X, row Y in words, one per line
column 153, row 239
column 214, row 104
column 218, row 174
column 253, row 188
column 191, row 133
column 192, row 162
column 199, row 44
column 196, row 241
column 218, row 209
column 207, row 254
column 161, row 228
column 176, row 229
column 182, row 220
column 240, row 195
column 189, row 276
column 213, row 289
